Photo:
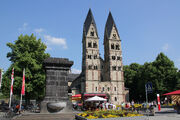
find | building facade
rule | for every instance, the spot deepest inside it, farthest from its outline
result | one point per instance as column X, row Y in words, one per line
column 98, row 75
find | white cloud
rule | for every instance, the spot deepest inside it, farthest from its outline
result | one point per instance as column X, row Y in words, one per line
column 39, row 30
column 165, row 47
column 24, row 27
column 76, row 71
column 55, row 41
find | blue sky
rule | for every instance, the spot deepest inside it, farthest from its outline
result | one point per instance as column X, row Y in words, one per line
column 146, row 27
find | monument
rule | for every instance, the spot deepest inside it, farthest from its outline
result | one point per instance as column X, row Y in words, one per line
column 56, row 96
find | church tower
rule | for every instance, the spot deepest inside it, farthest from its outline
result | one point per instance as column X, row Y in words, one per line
column 113, row 60
column 91, row 58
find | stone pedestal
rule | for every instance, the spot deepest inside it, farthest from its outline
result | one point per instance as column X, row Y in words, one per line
column 56, row 97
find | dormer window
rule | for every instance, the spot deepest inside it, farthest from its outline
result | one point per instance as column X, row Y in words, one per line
column 89, row 44
column 92, row 33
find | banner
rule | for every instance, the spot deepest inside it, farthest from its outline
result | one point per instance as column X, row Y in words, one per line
column 12, row 81
column 23, row 84
column 11, row 91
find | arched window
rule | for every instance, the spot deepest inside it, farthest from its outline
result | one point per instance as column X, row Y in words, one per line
column 94, row 45
column 90, row 67
column 114, row 88
column 115, row 98
column 114, row 36
column 89, row 44
column 95, row 56
column 113, row 67
column 117, row 47
column 119, row 68
column 113, row 57
column 95, row 67
column 112, row 46
column 92, row 33
column 89, row 56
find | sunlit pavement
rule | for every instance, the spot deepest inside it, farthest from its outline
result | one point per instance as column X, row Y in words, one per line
column 164, row 114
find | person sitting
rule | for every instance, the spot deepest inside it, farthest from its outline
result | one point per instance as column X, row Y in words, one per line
column 17, row 108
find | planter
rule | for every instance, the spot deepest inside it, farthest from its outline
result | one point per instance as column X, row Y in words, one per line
column 117, row 118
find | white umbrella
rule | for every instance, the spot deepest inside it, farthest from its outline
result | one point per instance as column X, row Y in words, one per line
column 96, row 98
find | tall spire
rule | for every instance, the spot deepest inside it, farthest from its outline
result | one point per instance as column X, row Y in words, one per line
column 89, row 20
column 109, row 25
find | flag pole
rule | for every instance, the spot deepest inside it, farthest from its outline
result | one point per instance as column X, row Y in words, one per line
column 20, row 103
column 23, row 89
column 10, row 101
column 11, row 90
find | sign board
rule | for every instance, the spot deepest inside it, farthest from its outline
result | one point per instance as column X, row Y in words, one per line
column 149, row 87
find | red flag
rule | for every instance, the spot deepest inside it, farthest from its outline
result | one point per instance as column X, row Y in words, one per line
column 12, row 81
column 23, row 84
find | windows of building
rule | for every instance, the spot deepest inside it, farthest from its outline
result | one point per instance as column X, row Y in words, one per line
column 103, row 89
column 114, row 88
column 95, row 67
column 95, row 56
column 94, row 45
column 92, row 33
column 113, row 57
column 113, row 67
column 114, row 36
column 118, row 58
column 108, row 88
column 119, row 68
column 117, row 47
column 96, row 88
column 90, row 67
column 89, row 44
column 112, row 46
column 89, row 56
column 115, row 98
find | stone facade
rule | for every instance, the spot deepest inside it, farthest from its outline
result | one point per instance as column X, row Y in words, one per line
column 98, row 75
column 56, row 96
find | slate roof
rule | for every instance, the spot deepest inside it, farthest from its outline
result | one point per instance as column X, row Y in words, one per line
column 71, row 77
column 89, row 20
column 109, row 25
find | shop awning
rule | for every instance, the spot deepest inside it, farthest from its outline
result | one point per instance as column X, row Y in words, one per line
column 77, row 95
column 177, row 92
column 96, row 98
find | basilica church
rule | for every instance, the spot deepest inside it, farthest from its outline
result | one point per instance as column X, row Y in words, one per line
column 101, row 75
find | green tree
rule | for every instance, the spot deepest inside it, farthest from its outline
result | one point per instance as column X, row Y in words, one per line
column 29, row 53
column 132, row 77
column 161, row 72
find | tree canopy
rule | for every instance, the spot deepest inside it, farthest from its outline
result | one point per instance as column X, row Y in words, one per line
column 161, row 72
column 29, row 53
